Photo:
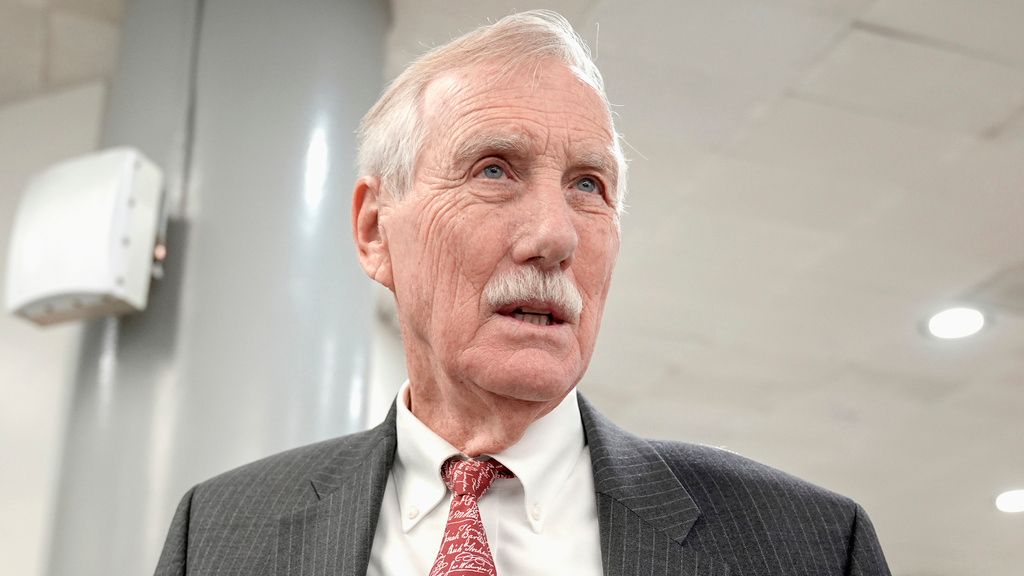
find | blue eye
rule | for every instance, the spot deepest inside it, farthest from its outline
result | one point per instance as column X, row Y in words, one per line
column 588, row 184
column 494, row 172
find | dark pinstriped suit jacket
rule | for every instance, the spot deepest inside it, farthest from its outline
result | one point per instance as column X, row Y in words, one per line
column 663, row 508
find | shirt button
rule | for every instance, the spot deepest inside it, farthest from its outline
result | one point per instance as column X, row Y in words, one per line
column 537, row 513
column 413, row 512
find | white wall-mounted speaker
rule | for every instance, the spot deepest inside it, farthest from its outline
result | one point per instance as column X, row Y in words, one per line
column 83, row 238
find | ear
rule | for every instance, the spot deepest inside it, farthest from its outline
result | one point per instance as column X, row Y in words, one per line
column 371, row 241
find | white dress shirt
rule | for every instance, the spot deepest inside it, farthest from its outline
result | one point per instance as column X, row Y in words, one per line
column 543, row 521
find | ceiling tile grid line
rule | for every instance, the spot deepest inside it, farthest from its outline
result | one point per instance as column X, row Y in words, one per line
column 909, row 37
column 917, row 84
column 989, row 28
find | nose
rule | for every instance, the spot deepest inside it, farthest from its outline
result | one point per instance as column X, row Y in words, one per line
column 548, row 237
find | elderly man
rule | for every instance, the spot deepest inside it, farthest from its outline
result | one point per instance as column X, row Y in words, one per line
column 488, row 203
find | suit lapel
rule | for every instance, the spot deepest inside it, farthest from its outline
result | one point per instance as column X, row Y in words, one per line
column 645, row 514
column 334, row 535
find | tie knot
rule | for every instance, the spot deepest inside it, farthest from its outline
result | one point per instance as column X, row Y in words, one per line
column 472, row 477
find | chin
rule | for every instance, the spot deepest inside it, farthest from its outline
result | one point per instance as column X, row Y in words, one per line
column 529, row 376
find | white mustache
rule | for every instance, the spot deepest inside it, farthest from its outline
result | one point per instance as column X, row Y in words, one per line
column 527, row 283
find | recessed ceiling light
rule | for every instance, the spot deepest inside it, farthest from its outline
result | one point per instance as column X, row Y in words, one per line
column 956, row 323
column 1011, row 501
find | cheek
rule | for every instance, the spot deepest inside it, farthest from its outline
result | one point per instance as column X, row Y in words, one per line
column 595, row 258
column 480, row 251
column 461, row 255
column 595, row 261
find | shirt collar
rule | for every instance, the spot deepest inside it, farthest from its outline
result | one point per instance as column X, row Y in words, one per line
column 542, row 460
column 418, row 459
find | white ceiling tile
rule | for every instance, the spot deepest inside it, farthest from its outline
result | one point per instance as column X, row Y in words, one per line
column 971, row 207
column 22, row 49
column 732, row 246
column 998, row 161
column 698, row 275
column 701, row 69
column 717, row 397
column 822, row 320
column 931, row 246
column 658, row 165
column 109, row 10
column 81, row 47
column 805, row 198
column 798, row 133
column 745, row 40
column 915, row 83
column 842, row 9
column 903, row 352
column 688, row 109
column 1012, row 130
column 32, row 3
column 985, row 27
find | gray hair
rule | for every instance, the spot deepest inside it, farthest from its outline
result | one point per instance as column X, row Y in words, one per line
column 391, row 134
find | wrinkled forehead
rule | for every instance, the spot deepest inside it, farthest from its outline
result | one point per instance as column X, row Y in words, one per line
column 479, row 103
column 497, row 80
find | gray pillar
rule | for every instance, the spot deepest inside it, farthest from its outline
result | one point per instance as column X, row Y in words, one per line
column 257, row 338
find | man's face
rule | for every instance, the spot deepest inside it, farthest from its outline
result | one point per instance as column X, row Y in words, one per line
column 515, row 173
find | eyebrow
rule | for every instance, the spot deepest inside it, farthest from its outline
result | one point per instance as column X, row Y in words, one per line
column 471, row 149
column 601, row 162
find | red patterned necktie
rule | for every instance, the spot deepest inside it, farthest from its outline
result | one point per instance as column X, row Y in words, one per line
column 464, row 549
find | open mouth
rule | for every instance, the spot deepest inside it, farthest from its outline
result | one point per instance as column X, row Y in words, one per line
column 535, row 316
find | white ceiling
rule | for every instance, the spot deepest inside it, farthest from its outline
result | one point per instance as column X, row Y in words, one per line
column 810, row 179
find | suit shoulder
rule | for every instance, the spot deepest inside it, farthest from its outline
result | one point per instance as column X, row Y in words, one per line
column 282, row 478
column 722, row 479
column 230, row 519
column 800, row 527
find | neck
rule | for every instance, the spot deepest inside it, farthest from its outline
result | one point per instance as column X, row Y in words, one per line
column 472, row 419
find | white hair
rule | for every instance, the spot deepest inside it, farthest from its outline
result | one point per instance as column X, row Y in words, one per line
column 391, row 134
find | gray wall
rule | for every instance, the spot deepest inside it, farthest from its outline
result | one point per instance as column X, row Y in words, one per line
column 257, row 338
